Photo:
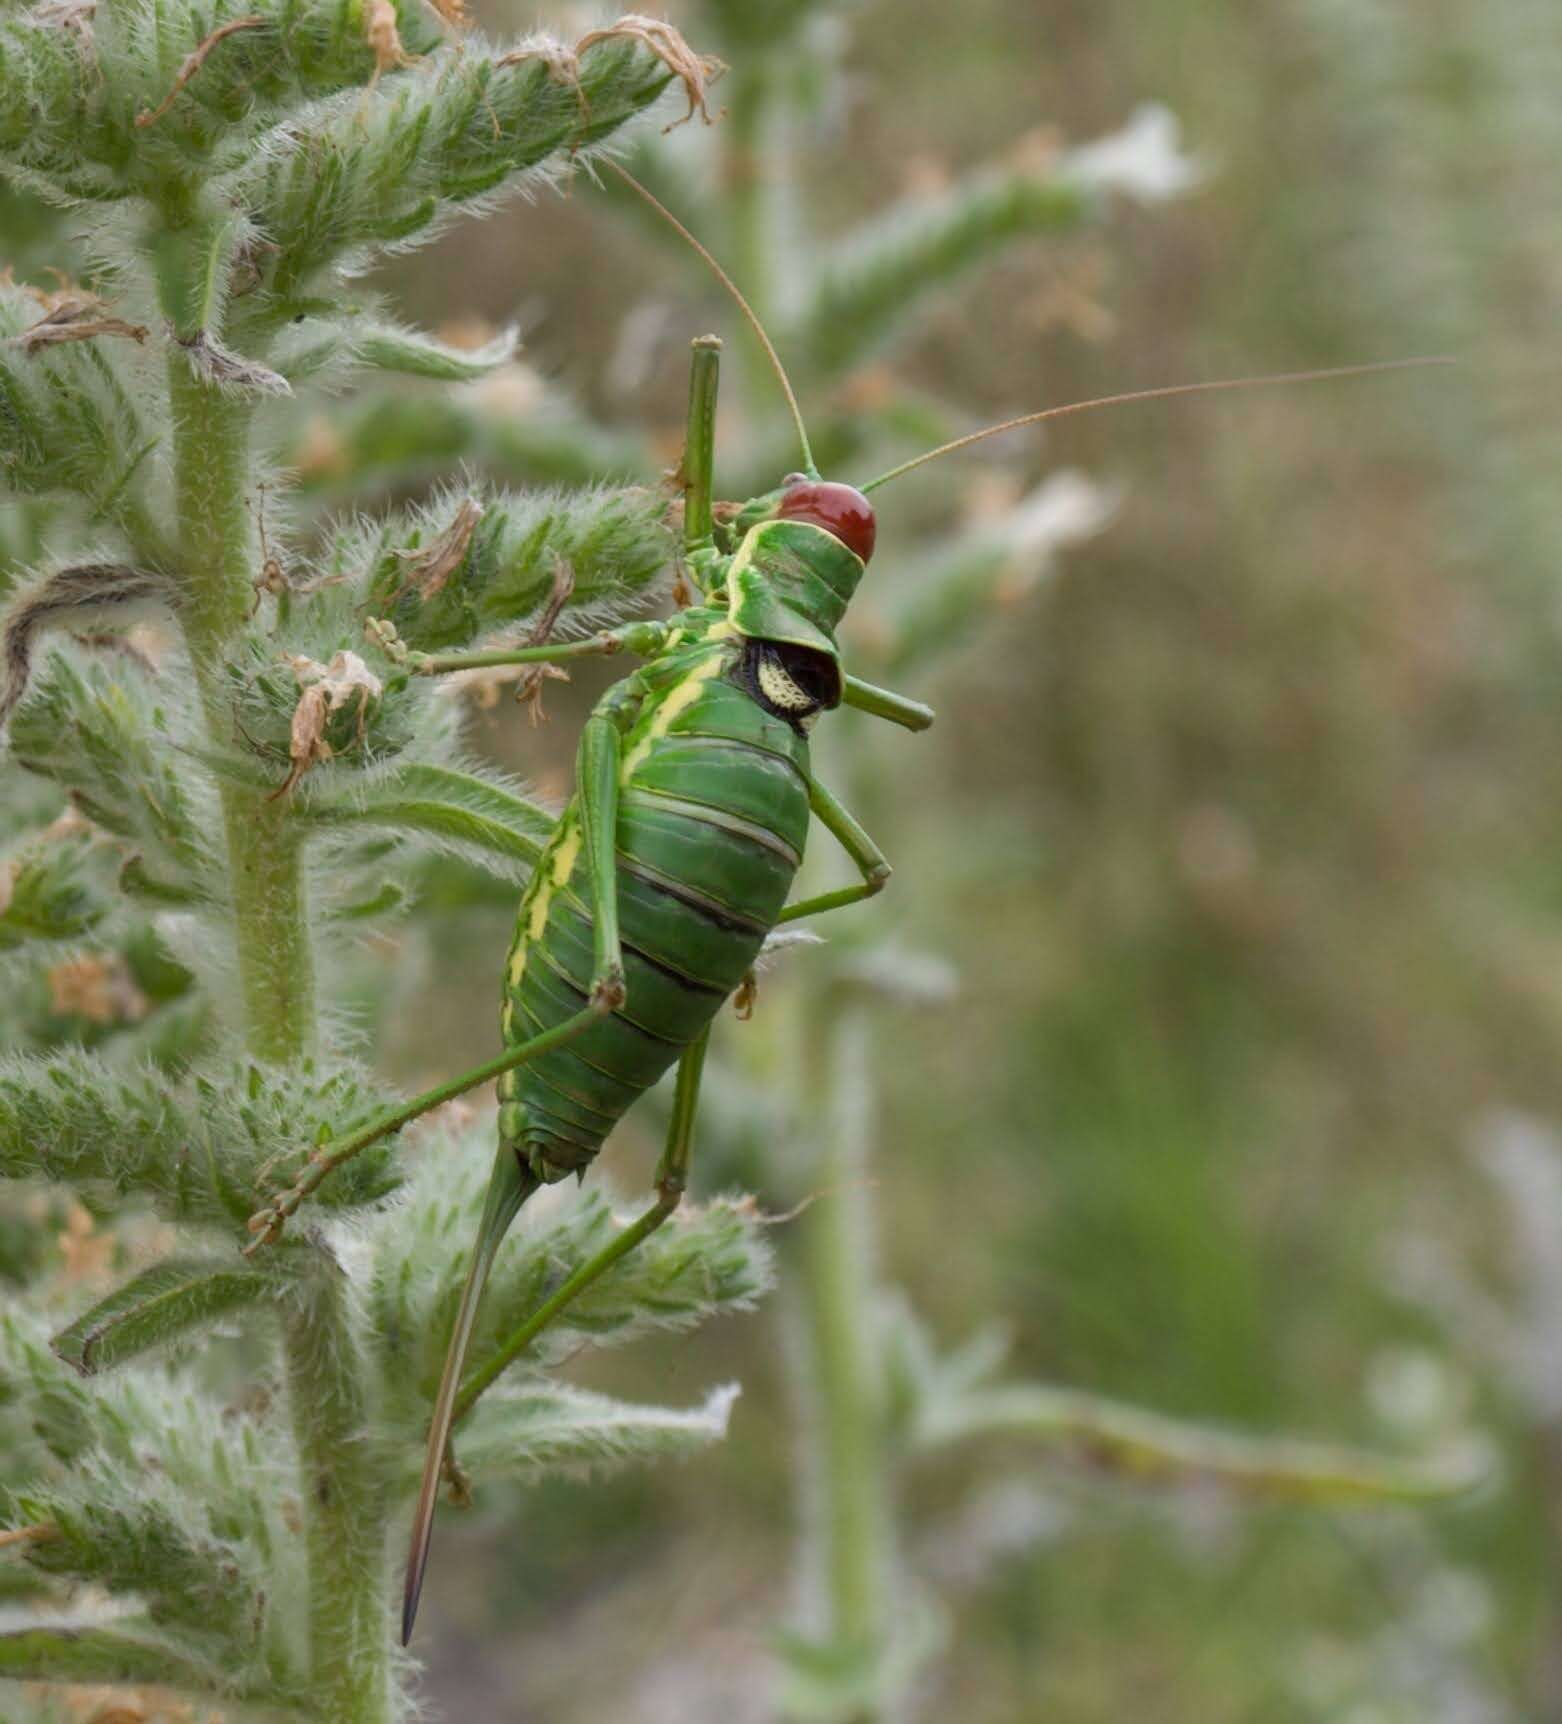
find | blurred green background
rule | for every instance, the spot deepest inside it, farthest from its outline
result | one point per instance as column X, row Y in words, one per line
column 1239, row 830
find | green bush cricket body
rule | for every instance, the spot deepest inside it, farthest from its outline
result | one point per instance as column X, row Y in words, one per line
column 671, row 863
column 670, row 866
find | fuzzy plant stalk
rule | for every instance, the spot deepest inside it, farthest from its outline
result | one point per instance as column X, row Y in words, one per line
column 213, row 482
column 216, row 781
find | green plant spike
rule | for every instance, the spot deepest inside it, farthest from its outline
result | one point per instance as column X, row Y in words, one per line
column 699, row 448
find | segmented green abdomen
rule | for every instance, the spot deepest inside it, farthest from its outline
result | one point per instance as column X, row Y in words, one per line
column 713, row 815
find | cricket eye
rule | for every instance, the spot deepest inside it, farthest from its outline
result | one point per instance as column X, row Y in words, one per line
column 841, row 510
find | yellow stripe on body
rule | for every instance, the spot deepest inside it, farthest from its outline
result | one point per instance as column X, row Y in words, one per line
column 555, row 871
column 678, row 699
column 564, row 850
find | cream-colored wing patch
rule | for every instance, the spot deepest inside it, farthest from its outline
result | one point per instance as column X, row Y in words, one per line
column 779, row 689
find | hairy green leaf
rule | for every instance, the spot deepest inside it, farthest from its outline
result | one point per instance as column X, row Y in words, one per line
column 196, row 1149
column 53, row 890
column 543, row 1428
column 126, row 1651
column 385, row 347
column 45, row 1412
column 159, row 1305
column 464, row 813
column 68, row 421
column 469, row 565
column 381, row 170
column 98, row 104
column 147, row 1546
column 708, row 1259
column 99, row 729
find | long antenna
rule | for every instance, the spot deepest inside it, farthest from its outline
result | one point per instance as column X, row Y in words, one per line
column 742, row 304
column 1153, row 395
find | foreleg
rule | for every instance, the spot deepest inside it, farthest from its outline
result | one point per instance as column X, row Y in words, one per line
column 642, row 639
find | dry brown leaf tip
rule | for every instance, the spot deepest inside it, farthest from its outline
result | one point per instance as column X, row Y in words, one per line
column 71, row 313
column 193, row 61
column 696, row 72
column 430, row 566
column 327, row 689
column 215, row 363
column 379, row 27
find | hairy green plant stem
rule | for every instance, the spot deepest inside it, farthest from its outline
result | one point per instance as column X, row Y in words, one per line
column 216, row 534
column 343, row 1505
column 344, row 1511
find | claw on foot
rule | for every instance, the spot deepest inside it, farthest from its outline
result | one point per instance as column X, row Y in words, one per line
column 266, row 1225
column 530, row 684
column 458, row 1480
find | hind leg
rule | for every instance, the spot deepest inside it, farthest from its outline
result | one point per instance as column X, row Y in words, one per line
column 508, row 1190
column 267, row 1224
column 671, row 1176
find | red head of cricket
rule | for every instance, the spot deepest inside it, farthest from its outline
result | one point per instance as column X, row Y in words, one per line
column 841, row 510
